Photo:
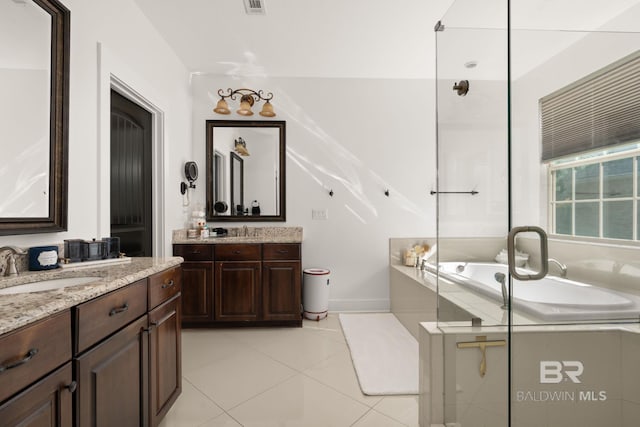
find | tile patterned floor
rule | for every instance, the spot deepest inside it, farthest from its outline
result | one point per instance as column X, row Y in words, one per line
column 278, row 377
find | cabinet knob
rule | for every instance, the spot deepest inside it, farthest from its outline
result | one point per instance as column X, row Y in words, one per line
column 168, row 284
column 72, row 386
column 237, row 252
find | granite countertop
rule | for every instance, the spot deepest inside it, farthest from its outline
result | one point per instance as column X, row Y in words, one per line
column 18, row 310
column 245, row 235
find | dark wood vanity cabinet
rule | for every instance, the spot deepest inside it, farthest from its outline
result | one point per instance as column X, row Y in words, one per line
column 113, row 379
column 114, row 360
column 129, row 371
column 35, row 364
column 47, row 403
column 165, row 364
column 197, row 276
column 252, row 284
column 237, row 284
column 281, row 282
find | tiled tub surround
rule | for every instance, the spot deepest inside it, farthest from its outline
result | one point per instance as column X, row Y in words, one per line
column 606, row 266
column 454, row 392
column 21, row 309
column 246, row 235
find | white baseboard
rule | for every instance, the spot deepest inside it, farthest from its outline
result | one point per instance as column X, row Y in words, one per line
column 354, row 305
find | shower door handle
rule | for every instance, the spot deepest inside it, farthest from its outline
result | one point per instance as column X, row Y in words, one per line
column 544, row 253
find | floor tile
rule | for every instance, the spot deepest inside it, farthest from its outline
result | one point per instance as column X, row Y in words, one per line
column 401, row 408
column 337, row 372
column 231, row 381
column 329, row 327
column 204, row 346
column 376, row 419
column 299, row 401
column 191, row 409
column 223, row 420
column 278, row 377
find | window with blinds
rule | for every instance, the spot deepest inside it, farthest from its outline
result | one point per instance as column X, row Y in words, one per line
column 597, row 111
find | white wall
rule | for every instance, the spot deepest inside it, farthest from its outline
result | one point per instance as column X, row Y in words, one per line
column 357, row 137
column 131, row 50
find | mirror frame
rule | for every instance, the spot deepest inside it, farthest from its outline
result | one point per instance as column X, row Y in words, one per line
column 58, row 130
column 210, row 126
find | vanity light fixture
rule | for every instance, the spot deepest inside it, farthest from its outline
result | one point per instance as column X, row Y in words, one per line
column 248, row 97
column 240, row 147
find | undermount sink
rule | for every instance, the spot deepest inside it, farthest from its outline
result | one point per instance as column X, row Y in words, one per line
column 48, row 285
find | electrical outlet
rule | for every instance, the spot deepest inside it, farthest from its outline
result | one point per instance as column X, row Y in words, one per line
column 319, row 214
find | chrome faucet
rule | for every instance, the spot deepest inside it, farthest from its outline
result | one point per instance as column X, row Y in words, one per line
column 563, row 267
column 501, row 278
column 10, row 269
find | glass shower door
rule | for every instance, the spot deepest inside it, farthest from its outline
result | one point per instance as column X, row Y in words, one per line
column 559, row 349
column 574, row 334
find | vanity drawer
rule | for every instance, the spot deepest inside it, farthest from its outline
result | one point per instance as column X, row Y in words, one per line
column 281, row 251
column 164, row 285
column 100, row 317
column 28, row 353
column 190, row 252
column 238, row 252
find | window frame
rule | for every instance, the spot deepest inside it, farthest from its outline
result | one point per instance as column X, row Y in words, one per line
column 599, row 158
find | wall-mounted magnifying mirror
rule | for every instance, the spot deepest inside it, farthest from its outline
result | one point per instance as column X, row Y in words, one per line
column 245, row 167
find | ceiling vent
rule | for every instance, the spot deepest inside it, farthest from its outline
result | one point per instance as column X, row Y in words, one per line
column 255, row 7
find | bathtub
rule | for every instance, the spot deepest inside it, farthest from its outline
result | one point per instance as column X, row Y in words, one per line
column 550, row 299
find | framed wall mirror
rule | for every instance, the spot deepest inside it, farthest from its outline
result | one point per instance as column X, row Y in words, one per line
column 245, row 170
column 34, row 82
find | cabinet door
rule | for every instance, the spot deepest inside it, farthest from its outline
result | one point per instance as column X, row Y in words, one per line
column 165, row 374
column 113, row 380
column 197, row 292
column 237, row 290
column 281, row 283
column 47, row 403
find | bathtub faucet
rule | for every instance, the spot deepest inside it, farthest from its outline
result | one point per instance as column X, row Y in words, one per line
column 563, row 267
column 501, row 278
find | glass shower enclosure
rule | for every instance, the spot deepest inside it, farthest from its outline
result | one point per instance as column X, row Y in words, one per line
column 538, row 255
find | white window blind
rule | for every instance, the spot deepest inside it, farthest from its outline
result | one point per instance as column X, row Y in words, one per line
column 599, row 110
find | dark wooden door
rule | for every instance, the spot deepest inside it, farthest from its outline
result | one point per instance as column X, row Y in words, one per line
column 281, row 290
column 48, row 403
column 237, row 290
column 165, row 377
column 131, row 172
column 113, row 380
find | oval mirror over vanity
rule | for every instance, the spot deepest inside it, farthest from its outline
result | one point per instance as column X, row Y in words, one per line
column 34, row 81
column 245, row 170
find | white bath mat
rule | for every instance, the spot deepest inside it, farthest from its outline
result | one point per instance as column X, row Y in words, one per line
column 384, row 353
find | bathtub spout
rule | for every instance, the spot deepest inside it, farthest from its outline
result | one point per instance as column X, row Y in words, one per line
column 563, row 267
column 501, row 278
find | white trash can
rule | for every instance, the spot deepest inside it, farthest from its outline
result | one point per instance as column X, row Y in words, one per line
column 315, row 293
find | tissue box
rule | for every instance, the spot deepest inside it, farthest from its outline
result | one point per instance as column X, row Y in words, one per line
column 43, row 258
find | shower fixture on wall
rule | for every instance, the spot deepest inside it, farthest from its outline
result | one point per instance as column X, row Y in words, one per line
column 248, row 97
column 461, row 87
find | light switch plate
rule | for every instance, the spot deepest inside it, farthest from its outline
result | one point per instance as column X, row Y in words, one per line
column 319, row 214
